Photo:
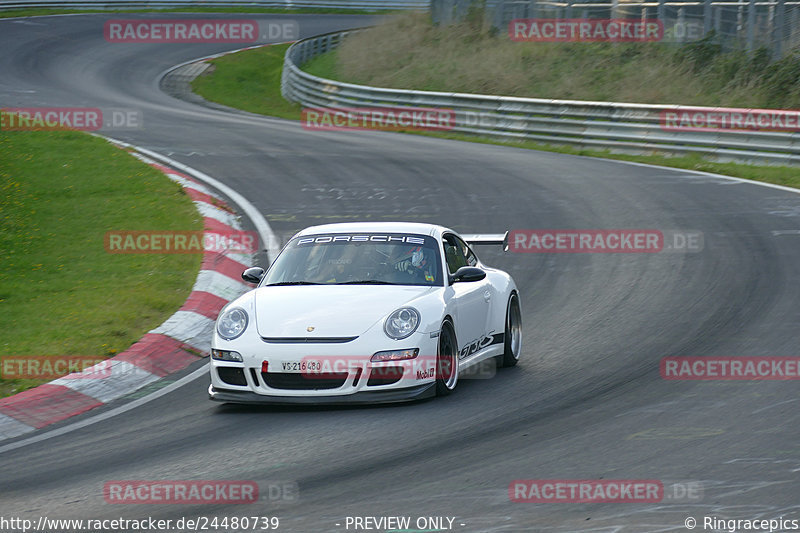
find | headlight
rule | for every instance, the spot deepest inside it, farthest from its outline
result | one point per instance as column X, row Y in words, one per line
column 232, row 323
column 401, row 323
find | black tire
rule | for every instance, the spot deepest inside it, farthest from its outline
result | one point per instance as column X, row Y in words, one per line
column 446, row 360
column 512, row 345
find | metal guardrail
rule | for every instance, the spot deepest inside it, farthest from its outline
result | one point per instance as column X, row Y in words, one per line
column 377, row 5
column 630, row 128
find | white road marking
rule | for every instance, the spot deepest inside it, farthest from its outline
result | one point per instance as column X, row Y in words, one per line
column 189, row 328
column 203, row 371
column 220, row 285
column 114, row 380
column 11, row 427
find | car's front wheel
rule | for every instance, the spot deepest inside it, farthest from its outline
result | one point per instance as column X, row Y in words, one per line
column 446, row 361
column 513, row 333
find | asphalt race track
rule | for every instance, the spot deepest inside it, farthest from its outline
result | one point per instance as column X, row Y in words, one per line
column 587, row 400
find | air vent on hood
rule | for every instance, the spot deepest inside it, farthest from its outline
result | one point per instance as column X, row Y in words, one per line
column 308, row 340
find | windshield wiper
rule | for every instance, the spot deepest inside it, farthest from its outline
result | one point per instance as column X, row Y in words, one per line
column 367, row 282
column 291, row 283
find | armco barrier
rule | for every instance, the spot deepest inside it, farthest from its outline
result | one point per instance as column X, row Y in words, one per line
column 632, row 128
column 377, row 5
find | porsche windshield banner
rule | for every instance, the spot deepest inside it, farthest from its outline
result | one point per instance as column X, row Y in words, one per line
column 360, row 238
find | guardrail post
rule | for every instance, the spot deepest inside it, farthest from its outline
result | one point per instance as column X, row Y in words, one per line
column 706, row 17
column 751, row 25
column 778, row 30
column 661, row 11
column 434, row 8
column 498, row 14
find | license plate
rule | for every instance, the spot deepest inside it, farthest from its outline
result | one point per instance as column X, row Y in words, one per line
column 301, row 366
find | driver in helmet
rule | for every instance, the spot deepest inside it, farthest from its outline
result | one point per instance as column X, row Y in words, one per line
column 416, row 264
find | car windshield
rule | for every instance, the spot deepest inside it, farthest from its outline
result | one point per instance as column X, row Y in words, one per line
column 362, row 258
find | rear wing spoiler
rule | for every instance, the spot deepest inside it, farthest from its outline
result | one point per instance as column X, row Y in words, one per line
column 496, row 239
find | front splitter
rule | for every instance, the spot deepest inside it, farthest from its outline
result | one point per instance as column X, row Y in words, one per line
column 419, row 392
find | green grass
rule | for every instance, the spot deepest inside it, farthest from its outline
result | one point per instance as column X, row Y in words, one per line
column 250, row 80
column 324, row 66
column 61, row 293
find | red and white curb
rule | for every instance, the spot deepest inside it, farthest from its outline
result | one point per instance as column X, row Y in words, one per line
column 178, row 342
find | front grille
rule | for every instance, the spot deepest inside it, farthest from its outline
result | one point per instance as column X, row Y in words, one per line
column 231, row 375
column 279, row 380
column 385, row 375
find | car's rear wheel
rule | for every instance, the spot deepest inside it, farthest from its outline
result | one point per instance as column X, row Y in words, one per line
column 513, row 333
column 446, row 361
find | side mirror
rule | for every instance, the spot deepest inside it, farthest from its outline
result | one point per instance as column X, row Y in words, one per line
column 253, row 274
column 467, row 273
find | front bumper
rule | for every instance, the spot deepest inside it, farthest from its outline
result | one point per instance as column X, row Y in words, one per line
column 346, row 370
column 419, row 392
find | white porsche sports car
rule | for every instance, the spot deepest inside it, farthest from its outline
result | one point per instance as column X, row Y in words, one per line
column 364, row 313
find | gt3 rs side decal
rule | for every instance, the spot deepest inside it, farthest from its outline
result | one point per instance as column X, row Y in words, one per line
column 480, row 344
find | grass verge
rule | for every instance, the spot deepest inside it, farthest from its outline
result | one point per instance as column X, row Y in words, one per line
column 61, row 293
column 250, row 80
column 408, row 52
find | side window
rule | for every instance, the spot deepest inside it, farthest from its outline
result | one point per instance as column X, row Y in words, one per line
column 453, row 254
column 457, row 253
column 469, row 257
